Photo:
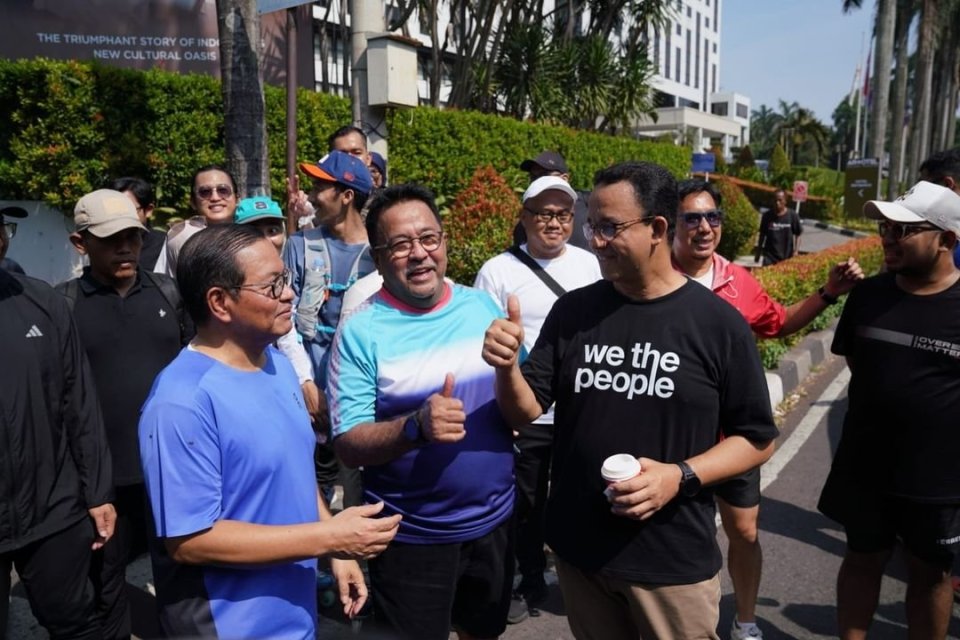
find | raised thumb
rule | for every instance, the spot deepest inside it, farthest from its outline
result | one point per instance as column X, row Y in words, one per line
column 447, row 391
column 513, row 309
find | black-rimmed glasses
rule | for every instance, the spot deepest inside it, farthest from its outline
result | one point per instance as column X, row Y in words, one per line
column 564, row 216
column 608, row 231
column 899, row 231
column 277, row 285
column 430, row 242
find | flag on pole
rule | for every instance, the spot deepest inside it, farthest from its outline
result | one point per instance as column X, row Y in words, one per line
column 853, row 87
column 866, row 79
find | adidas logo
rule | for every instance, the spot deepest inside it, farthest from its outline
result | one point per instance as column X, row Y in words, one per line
column 34, row 332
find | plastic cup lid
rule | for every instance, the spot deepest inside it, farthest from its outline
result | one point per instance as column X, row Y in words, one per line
column 621, row 466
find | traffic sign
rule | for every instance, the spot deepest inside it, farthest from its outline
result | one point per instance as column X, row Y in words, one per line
column 862, row 184
column 704, row 163
column 799, row 191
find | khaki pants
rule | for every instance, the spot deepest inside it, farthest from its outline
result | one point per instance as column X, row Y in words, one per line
column 601, row 608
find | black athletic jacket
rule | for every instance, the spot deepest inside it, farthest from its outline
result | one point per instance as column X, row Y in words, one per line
column 54, row 460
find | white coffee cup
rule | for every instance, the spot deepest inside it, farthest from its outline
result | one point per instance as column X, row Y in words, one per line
column 618, row 468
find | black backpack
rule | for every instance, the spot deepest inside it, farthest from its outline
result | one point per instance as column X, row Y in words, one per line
column 164, row 283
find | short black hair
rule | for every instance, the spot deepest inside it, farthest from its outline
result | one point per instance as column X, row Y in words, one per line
column 142, row 190
column 396, row 194
column 345, row 131
column 209, row 259
column 654, row 188
column 942, row 164
column 212, row 167
column 694, row 186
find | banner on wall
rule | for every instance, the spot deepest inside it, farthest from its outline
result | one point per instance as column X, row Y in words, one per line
column 176, row 35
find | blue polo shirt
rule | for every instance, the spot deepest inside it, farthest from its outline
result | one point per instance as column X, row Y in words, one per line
column 387, row 359
column 217, row 443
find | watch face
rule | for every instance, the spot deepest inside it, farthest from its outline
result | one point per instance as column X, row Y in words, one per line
column 411, row 430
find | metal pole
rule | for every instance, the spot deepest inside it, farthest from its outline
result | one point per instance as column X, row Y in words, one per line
column 291, row 107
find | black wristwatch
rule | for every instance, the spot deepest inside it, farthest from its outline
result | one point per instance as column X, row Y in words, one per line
column 826, row 297
column 412, row 430
column 689, row 482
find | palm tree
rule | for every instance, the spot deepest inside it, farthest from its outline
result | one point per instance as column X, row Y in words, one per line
column 923, row 87
column 245, row 125
column 906, row 10
column 763, row 127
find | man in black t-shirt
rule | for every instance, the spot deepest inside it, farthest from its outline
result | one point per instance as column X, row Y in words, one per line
column 130, row 323
column 648, row 363
column 894, row 474
column 780, row 230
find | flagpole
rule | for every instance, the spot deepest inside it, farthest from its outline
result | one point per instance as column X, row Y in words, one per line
column 859, row 99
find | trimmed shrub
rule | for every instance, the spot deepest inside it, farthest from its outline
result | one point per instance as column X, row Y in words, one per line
column 443, row 148
column 68, row 127
column 793, row 280
column 779, row 163
column 479, row 224
column 740, row 222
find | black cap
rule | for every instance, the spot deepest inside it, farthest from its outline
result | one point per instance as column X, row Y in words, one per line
column 13, row 212
column 549, row 160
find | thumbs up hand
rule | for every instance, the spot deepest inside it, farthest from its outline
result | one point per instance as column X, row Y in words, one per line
column 502, row 342
column 442, row 418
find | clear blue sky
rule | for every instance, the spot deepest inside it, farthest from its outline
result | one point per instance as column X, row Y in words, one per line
column 798, row 50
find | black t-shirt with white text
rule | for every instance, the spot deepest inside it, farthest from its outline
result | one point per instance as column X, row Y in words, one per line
column 777, row 235
column 661, row 379
column 900, row 432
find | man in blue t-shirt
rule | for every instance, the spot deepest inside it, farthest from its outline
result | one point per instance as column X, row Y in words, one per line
column 225, row 445
column 411, row 401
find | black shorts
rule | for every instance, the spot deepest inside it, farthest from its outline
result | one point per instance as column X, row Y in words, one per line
column 742, row 491
column 874, row 520
column 421, row 590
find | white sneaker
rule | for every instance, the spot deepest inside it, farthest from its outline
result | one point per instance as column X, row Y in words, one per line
column 749, row 631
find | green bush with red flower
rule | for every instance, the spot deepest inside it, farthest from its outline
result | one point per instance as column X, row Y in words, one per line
column 793, row 280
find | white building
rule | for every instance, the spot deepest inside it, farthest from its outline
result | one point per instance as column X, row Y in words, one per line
column 686, row 56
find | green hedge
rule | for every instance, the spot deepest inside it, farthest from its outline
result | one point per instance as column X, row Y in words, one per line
column 740, row 222
column 793, row 280
column 68, row 127
column 443, row 148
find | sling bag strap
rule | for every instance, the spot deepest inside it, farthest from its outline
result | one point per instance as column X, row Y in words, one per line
column 539, row 271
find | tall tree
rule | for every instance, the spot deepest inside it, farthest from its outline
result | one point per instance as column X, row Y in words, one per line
column 923, row 87
column 245, row 127
column 906, row 10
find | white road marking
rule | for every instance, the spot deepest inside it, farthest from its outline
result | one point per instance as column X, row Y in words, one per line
column 817, row 412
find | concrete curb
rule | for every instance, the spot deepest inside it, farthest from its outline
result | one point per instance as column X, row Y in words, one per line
column 853, row 233
column 797, row 363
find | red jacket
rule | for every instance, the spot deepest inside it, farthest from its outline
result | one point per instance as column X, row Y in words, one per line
column 734, row 284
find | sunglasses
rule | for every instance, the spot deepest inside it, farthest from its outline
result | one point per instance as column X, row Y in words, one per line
column 206, row 191
column 692, row 220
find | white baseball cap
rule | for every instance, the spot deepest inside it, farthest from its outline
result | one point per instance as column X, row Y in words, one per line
column 546, row 183
column 924, row 202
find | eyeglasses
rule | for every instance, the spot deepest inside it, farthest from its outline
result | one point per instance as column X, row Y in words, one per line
column 10, row 228
column 564, row 216
column 430, row 242
column 277, row 285
column 692, row 220
column 607, row 230
column 206, row 191
column 899, row 231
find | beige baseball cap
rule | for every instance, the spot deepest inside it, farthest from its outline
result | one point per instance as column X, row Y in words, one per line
column 105, row 212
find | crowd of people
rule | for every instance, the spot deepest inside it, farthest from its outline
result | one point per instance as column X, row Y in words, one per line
column 200, row 393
